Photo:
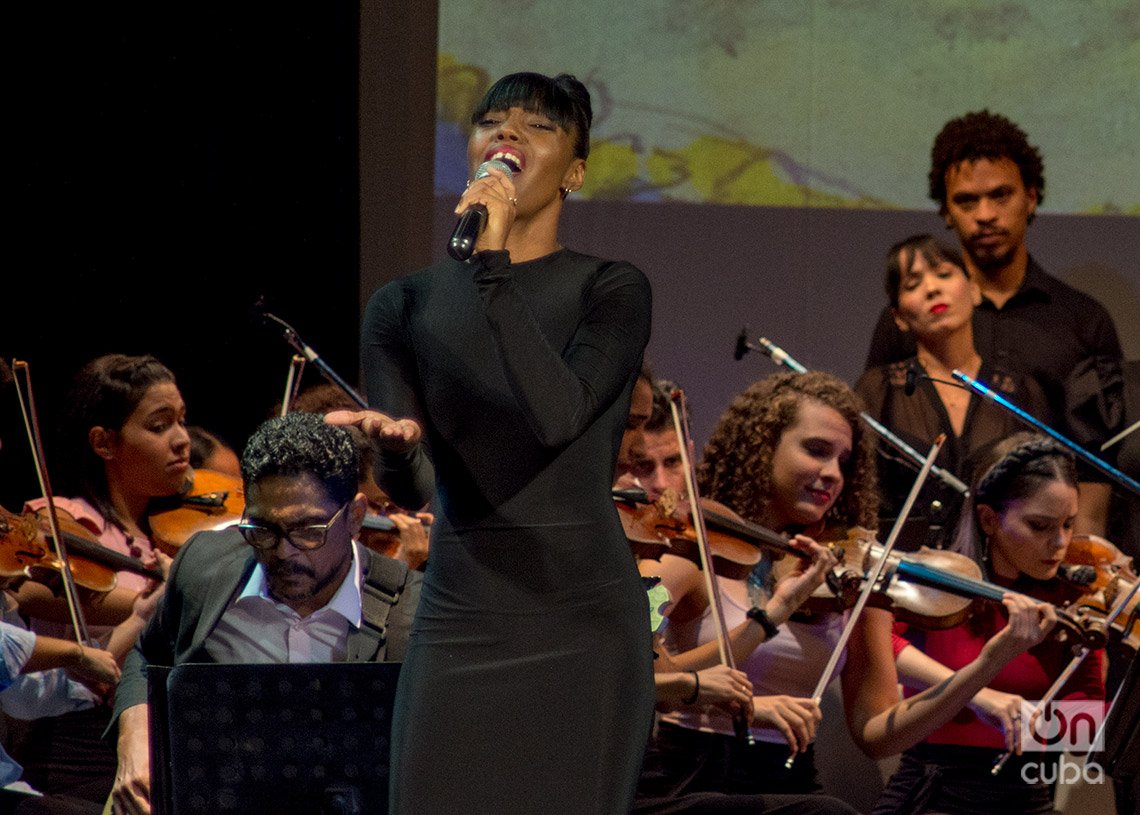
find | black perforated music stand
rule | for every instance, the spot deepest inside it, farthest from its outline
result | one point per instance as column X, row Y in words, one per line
column 1121, row 755
column 272, row 739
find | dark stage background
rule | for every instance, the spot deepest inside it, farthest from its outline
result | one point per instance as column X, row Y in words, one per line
column 172, row 164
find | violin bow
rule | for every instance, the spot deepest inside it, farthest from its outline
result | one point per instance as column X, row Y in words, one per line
column 1070, row 669
column 873, row 579
column 1121, row 436
column 292, row 382
column 681, row 426
column 32, row 426
column 1081, row 453
column 782, row 357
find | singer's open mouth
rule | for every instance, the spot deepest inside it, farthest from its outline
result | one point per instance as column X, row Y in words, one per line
column 511, row 158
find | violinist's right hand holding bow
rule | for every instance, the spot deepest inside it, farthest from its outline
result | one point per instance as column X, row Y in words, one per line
column 93, row 667
column 1003, row 711
column 727, row 688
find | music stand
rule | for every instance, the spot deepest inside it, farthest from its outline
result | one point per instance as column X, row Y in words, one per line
column 271, row 739
column 1121, row 755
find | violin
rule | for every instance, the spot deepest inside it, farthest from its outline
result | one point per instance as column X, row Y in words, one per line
column 381, row 534
column 931, row 588
column 208, row 500
column 26, row 551
column 736, row 544
column 1103, row 578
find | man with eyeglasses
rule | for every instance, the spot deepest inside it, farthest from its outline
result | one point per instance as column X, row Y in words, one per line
column 287, row 584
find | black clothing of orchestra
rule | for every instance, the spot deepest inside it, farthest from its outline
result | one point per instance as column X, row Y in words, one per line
column 686, row 770
column 950, row 778
column 918, row 419
column 1053, row 333
column 705, row 803
column 528, row 684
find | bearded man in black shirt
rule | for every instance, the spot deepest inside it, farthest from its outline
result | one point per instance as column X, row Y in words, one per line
column 988, row 181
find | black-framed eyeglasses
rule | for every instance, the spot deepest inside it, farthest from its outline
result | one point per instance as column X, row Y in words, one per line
column 308, row 538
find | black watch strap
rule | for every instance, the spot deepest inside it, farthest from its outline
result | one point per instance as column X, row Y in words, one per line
column 764, row 621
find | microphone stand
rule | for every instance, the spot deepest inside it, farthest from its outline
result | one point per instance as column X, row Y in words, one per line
column 781, row 357
column 294, row 339
column 292, row 382
column 1033, row 421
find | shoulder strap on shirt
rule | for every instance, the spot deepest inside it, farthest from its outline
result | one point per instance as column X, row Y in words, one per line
column 383, row 584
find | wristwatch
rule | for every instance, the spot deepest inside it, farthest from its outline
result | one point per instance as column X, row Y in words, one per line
column 764, row 621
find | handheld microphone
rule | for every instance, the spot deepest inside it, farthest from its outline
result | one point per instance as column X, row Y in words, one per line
column 474, row 218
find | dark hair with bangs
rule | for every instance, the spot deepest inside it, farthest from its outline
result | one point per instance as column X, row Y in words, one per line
column 984, row 135
column 563, row 99
column 902, row 255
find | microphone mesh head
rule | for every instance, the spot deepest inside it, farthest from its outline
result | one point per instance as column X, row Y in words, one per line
column 502, row 166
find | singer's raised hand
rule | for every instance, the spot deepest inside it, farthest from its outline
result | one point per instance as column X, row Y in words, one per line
column 397, row 435
column 496, row 191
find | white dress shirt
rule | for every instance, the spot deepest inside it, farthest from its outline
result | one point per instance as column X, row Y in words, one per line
column 256, row 628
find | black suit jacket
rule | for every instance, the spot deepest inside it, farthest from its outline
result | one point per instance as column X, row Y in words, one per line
column 210, row 569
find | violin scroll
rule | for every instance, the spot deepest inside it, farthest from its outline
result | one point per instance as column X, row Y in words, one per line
column 1103, row 582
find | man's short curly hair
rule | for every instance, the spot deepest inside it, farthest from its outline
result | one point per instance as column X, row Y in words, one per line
column 737, row 464
column 303, row 443
column 984, row 135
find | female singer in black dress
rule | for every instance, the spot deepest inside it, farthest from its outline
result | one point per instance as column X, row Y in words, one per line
column 528, row 683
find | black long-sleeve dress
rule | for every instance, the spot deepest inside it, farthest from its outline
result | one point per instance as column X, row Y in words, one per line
column 528, row 682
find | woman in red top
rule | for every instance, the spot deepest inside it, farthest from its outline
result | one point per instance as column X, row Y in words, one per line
column 1018, row 525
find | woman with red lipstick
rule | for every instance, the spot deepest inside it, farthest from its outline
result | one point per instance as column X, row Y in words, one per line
column 527, row 686
column 126, row 443
column 933, row 298
column 1018, row 525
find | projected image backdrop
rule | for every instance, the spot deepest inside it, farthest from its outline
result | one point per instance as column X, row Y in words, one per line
column 815, row 103
column 756, row 158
